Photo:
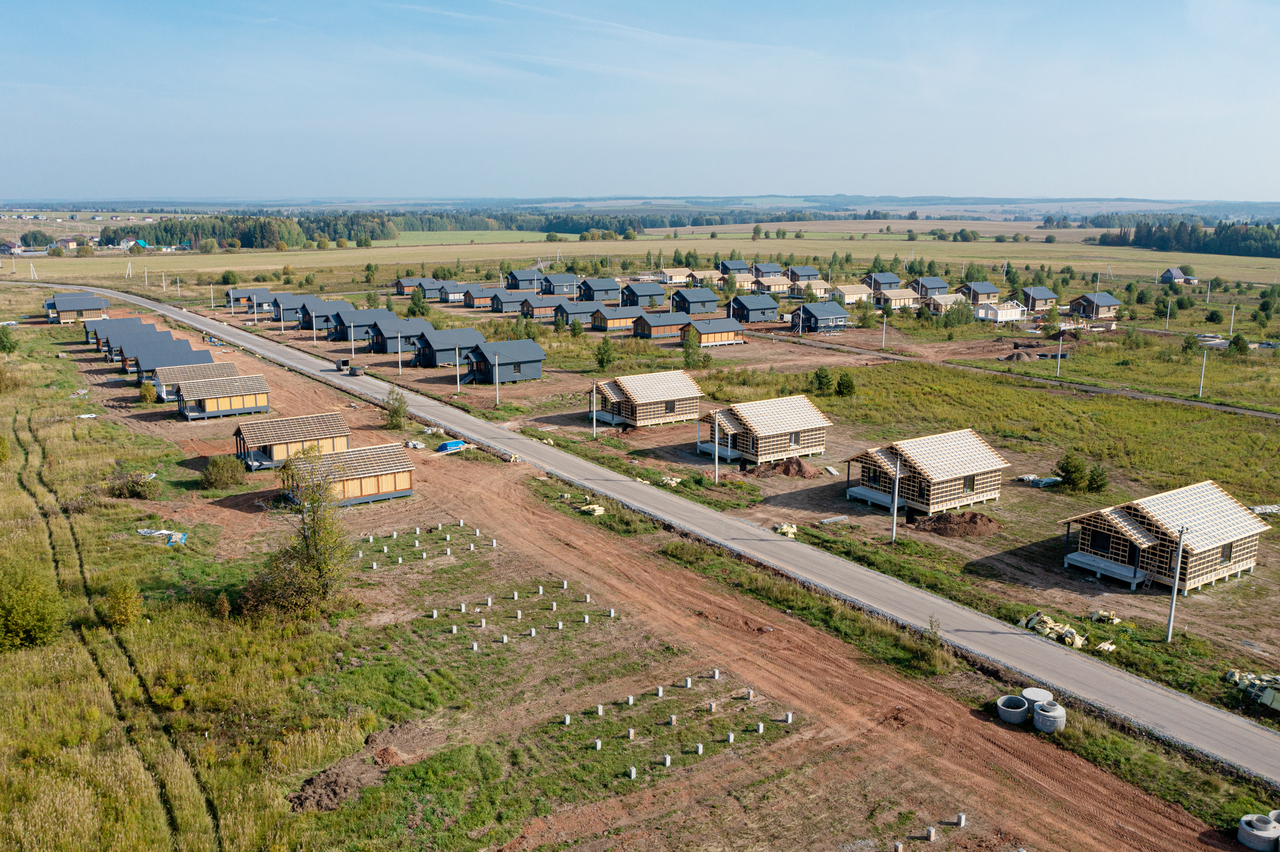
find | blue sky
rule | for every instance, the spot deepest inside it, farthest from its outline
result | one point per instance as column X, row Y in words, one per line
column 274, row 100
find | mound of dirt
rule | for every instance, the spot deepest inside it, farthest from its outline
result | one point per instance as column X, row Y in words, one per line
column 1019, row 355
column 389, row 756
column 790, row 467
column 959, row 525
column 335, row 786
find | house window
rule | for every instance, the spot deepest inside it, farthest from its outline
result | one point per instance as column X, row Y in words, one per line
column 872, row 475
column 670, row 406
column 795, row 439
column 1100, row 542
column 515, row 368
column 969, row 483
column 1226, row 553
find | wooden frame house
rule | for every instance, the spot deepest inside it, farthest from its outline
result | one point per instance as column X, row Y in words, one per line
column 935, row 473
column 896, row 299
column 453, row 293
column 651, row 399
column 365, row 475
column 655, row 326
column 1037, row 299
column 1009, row 311
column 643, row 294
column 166, row 379
column 766, row 270
column 406, row 286
column 801, row 274
column 616, row 319
column 943, row 302
column 710, row 279
column 773, row 284
column 929, row 285
column 445, row 347
column 716, row 331
column 819, row 316
column 523, row 279
column 264, row 444
column 979, row 292
column 1095, row 306
column 204, row 398
column 1174, row 275
column 599, row 290
column 287, row 307
column 1201, row 529
column 801, row 289
column 736, row 268
column 767, row 430
column 479, row 297
column 673, row 275
column 695, row 300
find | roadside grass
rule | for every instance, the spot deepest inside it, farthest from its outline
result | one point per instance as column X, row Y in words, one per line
column 694, row 484
column 1161, row 445
column 1160, row 367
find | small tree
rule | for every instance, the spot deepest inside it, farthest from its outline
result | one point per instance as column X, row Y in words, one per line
column 809, row 296
column 147, row 393
column 1097, row 480
column 559, row 325
column 575, row 329
column 690, row 346
column 8, row 342
column 824, row 381
column 32, row 612
column 731, row 285
column 1238, row 346
column 397, row 410
column 1074, row 473
column 208, row 246
column 222, row 472
column 230, row 278
column 844, row 385
column 371, row 300
column 418, row 304
column 389, row 304
column 1214, row 316
column 124, row 604
column 606, row 354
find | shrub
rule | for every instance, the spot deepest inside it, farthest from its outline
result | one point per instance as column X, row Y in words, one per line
column 4, row 449
column 1097, row 480
column 575, row 330
column 1238, row 345
column 147, row 393
column 124, row 604
column 1050, row 239
column 222, row 607
column 222, row 472
column 397, row 410
column 844, row 385
column 31, row 610
column 823, row 381
column 1214, row 316
column 8, row 343
column 135, row 486
column 1075, row 476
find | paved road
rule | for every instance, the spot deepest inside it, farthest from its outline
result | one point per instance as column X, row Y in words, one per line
column 1056, row 383
column 1166, row 713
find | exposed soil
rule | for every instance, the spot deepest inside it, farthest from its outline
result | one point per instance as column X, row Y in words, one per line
column 798, row 468
column 958, row 525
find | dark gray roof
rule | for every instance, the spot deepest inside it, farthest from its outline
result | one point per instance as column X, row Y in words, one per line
column 406, row 328
column 981, row 287
column 1102, row 300
column 431, row 285
column 508, row 352
column 1039, row 293
column 296, row 300
column 804, row 270
column 77, row 302
column 481, row 290
column 697, row 295
column 526, row 274
column 128, row 341
column 178, row 354
column 453, row 287
column 448, row 338
column 102, row 326
column 885, row 278
column 601, row 283
column 414, row 281
column 248, row 292
column 768, row 267
column 560, row 278
column 545, row 301
column 932, row 282
column 755, row 302
column 326, row 308
column 367, row 316
column 735, row 266
column 719, row 324
column 668, row 318
column 646, row 288
column 822, row 309
column 630, row 312
column 587, row 308
column 505, row 296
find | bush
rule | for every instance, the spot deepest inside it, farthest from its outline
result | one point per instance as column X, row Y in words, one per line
column 1050, row 239
column 1214, row 316
column 4, row 449
column 31, row 610
column 1238, row 346
column 1074, row 473
column 208, row 246
column 135, row 486
column 1097, row 480
column 823, row 381
column 222, row 472
column 124, row 604
column 397, row 410
column 844, row 385
column 146, row 393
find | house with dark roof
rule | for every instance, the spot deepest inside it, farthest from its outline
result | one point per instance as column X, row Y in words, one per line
column 652, row 326
column 716, row 331
column 508, row 301
column 819, row 316
column 287, row 307
column 398, row 335
column 65, row 308
column 176, row 353
column 122, row 347
column 505, row 361
column 95, row 329
column 523, row 279
column 878, row 281
column 321, row 316
column 568, row 311
column 451, row 292
column 1095, row 306
column 1174, row 275
column 979, row 292
column 800, row 274
column 766, row 270
column 540, row 307
column 445, row 347
column 262, row 444
column 1037, row 299
column 644, row 294
column 406, row 286
column 599, row 290
column 558, row 284
column 615, row 319
column 928, row 286
column 736, row 268
column 200, row 399
column 695, row 300
column 246, row 297
column 752, row 307
column 353, row 325
column 478, row 297
column 430, row 288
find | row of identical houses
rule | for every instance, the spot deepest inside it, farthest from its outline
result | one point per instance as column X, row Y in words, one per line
column 887, row 290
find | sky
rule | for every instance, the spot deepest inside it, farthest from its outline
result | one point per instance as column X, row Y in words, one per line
column 271, row 100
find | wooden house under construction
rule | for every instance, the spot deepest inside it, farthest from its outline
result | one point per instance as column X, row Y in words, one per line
column 264, row 444
column 934, row 473
column 651, row 399
column 767, row 430
column 364, row 475
column 1201, row 529
column 204, row 398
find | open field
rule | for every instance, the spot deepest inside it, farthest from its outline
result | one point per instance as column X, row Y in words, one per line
column 467, row 750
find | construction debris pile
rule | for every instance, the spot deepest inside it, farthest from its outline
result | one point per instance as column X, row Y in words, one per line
column 1264, row 689
column 958, row 524
column 1065, row 633
column 789, row 530
column 789, row 467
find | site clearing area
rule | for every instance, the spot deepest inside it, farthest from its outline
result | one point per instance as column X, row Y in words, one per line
column 611, row 683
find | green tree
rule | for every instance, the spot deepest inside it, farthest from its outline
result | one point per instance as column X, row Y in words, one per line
column 418, row 304
column 1074, row 472
column 1238, row 346
column 559, row 325
column 390, row 305
column 1097, row 480
column 576, row 330
column 371, row 300
column 8, row 341
column 823, row 381
column 230, row 278
column 844, row 385
column 208, row 246
column 731, row 285
column 395, row 415
column 690, row 347
column 606, row 354
column 809, row 296
column 1214, row 316
column 32, row 612
column 302, row 575
column 756, row 232
column 35, row 239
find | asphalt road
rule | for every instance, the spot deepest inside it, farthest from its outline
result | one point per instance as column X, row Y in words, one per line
column 1164, row 712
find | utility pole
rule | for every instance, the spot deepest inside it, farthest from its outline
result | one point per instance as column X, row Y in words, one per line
column 1061, row 336
column 1203, row 363
column 593, row 411
column 1208, row 291
column 211, row 295
column 1173, row 599
column 884, row 329
column 897, row 475
column 457, row 367
column 1231, row 330
column 497, row 384
column 399, row 356
column 715, row 446
column 1168, row 307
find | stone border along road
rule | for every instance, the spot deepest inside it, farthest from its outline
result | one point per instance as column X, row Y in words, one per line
column 815, row 341
column 1169, row 715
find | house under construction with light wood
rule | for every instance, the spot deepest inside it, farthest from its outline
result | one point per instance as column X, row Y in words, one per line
column 204, row 398
column 767, row 430
column 934, row 473
column 264, row 444
column 1200, row 533
column 364, row 475
column 166, row 379
column 651, row 399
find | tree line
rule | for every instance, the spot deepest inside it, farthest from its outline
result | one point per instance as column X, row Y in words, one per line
column 1231, row 238
column 250, row 231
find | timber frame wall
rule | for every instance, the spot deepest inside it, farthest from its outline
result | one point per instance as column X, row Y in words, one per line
column 1157, row 560
column 918, row 492
column 222, row 406
column 653, row 413
column 763, row 449
column 281, row 452
column 367, row 489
